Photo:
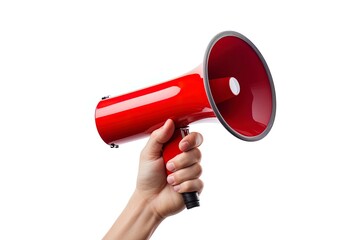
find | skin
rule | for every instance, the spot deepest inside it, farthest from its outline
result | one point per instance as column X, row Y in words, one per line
column 157, row 196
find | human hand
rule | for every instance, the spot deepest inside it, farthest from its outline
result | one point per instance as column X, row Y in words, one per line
column 163, row 192
column 157, row 196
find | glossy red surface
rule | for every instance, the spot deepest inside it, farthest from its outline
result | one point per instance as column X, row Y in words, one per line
column 136, row 114
column 202, row 93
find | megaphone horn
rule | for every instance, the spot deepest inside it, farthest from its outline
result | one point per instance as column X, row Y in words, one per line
column 233, row 84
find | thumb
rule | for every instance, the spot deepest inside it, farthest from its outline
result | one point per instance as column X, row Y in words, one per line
column 153, row 148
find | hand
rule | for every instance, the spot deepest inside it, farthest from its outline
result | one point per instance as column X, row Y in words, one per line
column 157, row 196
column 163, row 192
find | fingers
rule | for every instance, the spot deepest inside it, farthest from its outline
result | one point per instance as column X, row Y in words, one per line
column 184, row 160
column 186, row 170
column 195, row 185
column 153, row 148
column 186, row 174
column 186, row 166
column 191, row 154
column 192, row 185
column 190, row 141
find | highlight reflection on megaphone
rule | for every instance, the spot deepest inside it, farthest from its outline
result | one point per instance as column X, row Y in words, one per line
column 232, row 85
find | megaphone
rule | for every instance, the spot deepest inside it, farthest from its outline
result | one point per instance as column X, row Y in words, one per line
column 232, row 85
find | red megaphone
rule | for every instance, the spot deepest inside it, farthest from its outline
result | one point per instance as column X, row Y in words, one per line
column 233, row 84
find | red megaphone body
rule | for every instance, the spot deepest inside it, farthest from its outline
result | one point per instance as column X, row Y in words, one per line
column 233, row 84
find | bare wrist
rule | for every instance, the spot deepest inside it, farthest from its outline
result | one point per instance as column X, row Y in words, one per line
column 145, row 203
column 137, row 221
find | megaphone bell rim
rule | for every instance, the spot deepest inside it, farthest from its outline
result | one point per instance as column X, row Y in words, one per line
column 211, row 100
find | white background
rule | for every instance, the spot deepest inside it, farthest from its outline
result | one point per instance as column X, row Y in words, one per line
column 58, row 180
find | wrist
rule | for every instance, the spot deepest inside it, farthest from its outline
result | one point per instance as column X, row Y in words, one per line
column 137, row 221
column 145, row 203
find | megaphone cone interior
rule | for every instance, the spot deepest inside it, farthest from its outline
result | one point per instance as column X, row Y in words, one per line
column 232, row 84
column 250, row 114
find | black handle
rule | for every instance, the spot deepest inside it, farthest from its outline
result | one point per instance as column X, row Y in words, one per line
column 191, row 199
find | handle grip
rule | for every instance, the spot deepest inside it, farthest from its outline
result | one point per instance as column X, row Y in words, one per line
column 170, row 150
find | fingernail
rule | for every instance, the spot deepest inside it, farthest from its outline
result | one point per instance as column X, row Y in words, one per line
column 170, row 166
column 176, row 188
column 199, row 140
column 170, row 179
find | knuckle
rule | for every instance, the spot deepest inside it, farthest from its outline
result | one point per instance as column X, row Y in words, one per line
column 193, row 185
column 154, row 134
column 185, row 187
column 197, row 154
column 198, row 170
column 191, row 138
column 200, row 186
column 177, row 178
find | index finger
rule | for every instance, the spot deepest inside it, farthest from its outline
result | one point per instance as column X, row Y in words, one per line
column 191, row 141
